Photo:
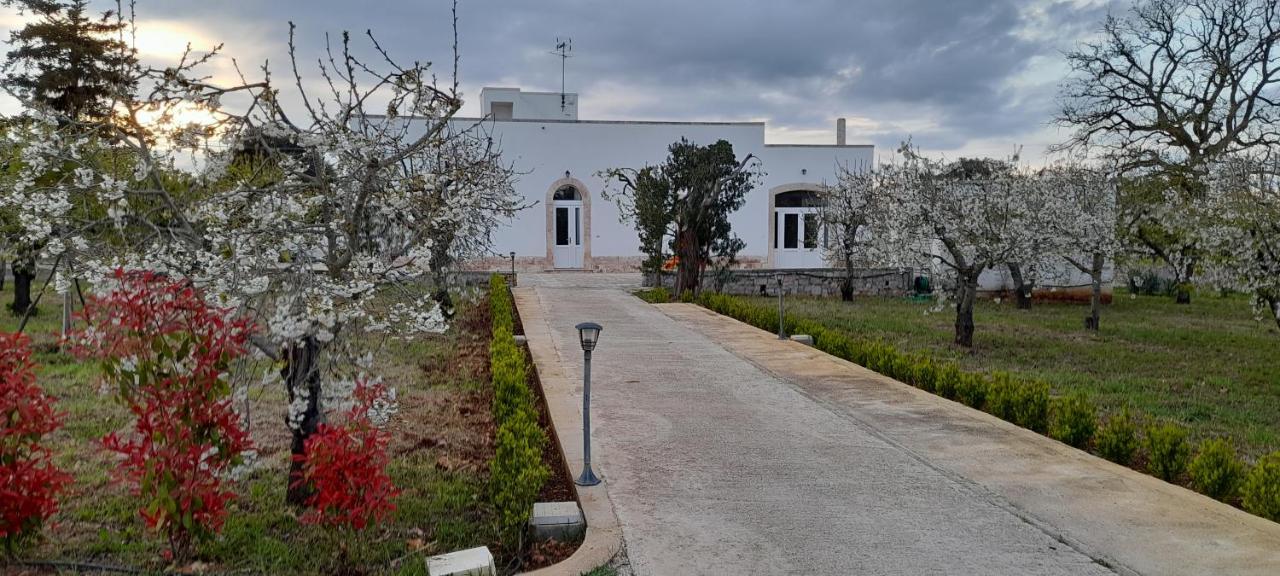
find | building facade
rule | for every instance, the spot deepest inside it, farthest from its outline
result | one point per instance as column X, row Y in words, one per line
column 559, row 157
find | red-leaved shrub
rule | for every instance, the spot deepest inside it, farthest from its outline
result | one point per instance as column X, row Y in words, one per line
column 167, row 352
column 29, row 482
column 345, row 467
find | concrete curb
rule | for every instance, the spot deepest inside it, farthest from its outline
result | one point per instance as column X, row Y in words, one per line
column 603, row 537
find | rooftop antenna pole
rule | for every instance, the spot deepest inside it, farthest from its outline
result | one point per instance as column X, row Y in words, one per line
column 563, row 48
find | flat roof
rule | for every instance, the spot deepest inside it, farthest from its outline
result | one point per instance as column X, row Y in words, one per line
column 568, row 121
column 637, row 123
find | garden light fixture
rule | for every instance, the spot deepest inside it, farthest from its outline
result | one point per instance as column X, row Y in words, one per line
column 588, row 335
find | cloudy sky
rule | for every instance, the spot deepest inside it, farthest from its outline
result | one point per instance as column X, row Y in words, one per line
column 961, row 77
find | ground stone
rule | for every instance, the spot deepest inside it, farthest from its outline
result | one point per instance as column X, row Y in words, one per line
column 469, row 562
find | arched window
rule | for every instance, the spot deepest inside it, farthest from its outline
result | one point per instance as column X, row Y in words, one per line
column 567, row 193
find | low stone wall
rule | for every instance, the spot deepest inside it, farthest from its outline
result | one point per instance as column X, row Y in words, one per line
column 805, row 282
column 596, row 263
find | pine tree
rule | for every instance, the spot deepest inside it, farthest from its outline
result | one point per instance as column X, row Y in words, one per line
column 73, row 65
column 69, row 61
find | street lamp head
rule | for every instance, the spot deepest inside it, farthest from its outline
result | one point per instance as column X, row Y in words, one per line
column 588, row 334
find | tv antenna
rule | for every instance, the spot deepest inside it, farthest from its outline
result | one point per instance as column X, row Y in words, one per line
column 563, row 48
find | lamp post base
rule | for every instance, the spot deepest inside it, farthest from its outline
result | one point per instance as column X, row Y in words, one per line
column 588, row 478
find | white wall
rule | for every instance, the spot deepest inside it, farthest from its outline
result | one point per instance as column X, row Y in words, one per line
column 541, row 151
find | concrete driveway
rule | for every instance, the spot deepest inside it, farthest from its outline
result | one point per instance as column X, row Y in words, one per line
column 716, row 466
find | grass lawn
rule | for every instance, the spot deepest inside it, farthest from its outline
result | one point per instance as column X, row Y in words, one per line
column 442, row 443
column 1209, row 365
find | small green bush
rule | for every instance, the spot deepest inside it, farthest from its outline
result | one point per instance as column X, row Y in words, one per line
column 1074, row 420
column 1031, row 406
column 658, row 295
column 926, row 374
column 1167, row 451
column 1118, row 439
column 1002, row 396
column 686, row 296
column 947, row 381
column 972, row 390
column 1216, row 471
column 1023, row 403
column 1261, row 489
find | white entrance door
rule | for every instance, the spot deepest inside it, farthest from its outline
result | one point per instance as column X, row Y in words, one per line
column 568, row 233
column 797, row 238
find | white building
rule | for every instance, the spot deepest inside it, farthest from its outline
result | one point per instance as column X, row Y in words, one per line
column 558, row 157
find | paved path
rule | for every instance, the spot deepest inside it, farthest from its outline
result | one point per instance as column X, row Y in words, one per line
column 715, row 466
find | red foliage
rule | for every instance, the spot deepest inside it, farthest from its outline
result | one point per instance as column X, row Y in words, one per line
column 345, row 467
column 29, row 482
column 168, row 351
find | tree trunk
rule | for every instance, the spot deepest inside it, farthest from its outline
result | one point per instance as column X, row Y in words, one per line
column 1021, row 289
column 1183, row 288
column 846, row 284
column 1093, row 322
column 688, row 274
column 968, row 294
column 2, row 263
column 24, row 273
column 302, row 380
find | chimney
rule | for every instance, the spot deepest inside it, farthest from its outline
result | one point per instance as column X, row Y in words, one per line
column 840, row 132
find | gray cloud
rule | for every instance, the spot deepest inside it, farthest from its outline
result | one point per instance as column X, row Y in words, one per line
column 953, row 74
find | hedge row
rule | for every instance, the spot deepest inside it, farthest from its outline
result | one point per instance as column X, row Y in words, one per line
column 1216, row 470
column 516, row 473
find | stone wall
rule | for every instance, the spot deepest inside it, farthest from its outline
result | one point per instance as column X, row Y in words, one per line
column 596, row 264
column 806, row 282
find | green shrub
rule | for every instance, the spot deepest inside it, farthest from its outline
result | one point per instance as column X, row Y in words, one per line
column 1118, row 439
column 1023, row 403
column 971, row 390
column 1167, row 451
column 926, row 374
column 516, row 474
column 947, row 381
column 1075, row 420
column 1002, row 396
column 657, row 295
column 1261, row 489
column 1216, row 471
column 686, row 296
column 1031, row 406
column 501, row 309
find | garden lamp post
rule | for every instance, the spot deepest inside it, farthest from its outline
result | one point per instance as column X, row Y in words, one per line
column 782, row 333
column 513, row 267
column 588, row 335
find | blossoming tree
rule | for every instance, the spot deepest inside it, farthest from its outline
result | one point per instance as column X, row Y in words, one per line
column 845, row 213
column 1244, row 243
column 961, row 217
column 1081, row 201
column 299, row 216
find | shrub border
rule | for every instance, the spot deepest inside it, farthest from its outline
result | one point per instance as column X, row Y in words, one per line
column 1025, row 403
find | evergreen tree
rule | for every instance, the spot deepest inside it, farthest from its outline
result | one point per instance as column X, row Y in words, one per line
column 69, row 63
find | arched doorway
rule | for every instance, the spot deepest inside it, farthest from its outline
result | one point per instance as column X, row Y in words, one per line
column 797, row 238
column 568, row 224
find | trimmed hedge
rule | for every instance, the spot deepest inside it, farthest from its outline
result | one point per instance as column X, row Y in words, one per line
column 1072, row 420
column 516, row 473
